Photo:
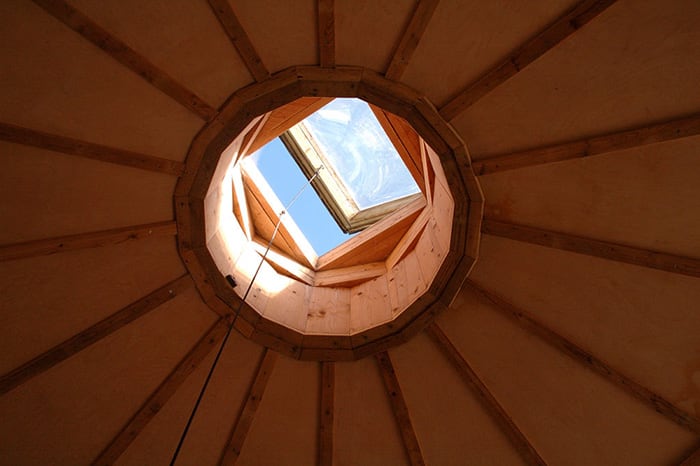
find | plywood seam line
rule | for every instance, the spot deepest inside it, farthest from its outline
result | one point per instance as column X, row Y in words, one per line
column 249, row 409
column 127, row 56
column 603, row 144
column 93, row 334
column 410, row 39
column 161, row 395
column 588, row 360
column 326, row 32
column 239, row 38
column 88, row 150
column 591, row 247
column 400, row 409
column 235, row 316
column 521, row 443
column 95, row 239
column 535, row 47
column 326, row 413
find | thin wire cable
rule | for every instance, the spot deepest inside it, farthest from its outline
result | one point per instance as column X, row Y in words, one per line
column 235, row 316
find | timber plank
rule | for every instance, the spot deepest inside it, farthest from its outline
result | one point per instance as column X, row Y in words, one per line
column 411, row 38
column 325, row 429
column 326, row 33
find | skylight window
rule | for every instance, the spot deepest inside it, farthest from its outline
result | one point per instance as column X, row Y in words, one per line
column 363, row 178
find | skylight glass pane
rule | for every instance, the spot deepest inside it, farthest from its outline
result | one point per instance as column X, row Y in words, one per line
column 359, row 151
column 309, row 213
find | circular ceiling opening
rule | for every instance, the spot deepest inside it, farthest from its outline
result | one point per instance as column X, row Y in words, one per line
column 414, row 242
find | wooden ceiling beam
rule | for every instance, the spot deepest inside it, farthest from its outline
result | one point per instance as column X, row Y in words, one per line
column 88, row 150
column 128, row 57
column 611, row 142
column 250, row 406
column 93, row 334
column 411, row 38
column 583, row 12
column 591, row 247
column 588, row 360
column 488, row 401
column 162, row 394
column 239, row 38
column 326, row 33
column 95, row 239
column 325, row 425
column 692, row 460
column 398, row 404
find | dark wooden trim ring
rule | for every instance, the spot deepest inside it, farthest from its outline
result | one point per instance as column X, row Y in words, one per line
column 238, row 116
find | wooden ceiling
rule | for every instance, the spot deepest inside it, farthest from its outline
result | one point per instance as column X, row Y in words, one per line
column 575, row 340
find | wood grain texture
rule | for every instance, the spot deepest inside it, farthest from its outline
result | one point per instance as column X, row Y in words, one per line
column 489, row 402
column 411, row 38
column 95, row 239
column 128, row 57
column 550, row 37
column 398, row 404
column 88, row 150
column 162, row 394
column 611, row 251
column 239, row 38
column 611, row 142
column 643, row 394
column 249, row 409
column 325, row 426
column 93, row 334
column 326, row 33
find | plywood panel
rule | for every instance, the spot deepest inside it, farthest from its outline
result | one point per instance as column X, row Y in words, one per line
column 188, row 43
column 642, row 322
column 646, row 197
column 633, row 64
column 48, row 194
column 463, row 40
column 367, row 32
column 216, row 414
column 452, row 426
column 286, row 431
column 370, row 435
column 47, row 299
column 570, row 414
column 283, row 33
column 63, row 84
column 84, row 401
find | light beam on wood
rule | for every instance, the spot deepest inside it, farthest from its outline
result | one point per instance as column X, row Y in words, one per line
column 325, row 430
column 504, row 421
column 643, row 394
column 326, row 33
column 650, row 134
column 398, row 404
column 88, row 150
column 93, row 334
column 95, row 239
column 611, row 251
column 410, row 39
column 239, row 38
column 550, row 37
column 162, row 394
column 250, row 407
column 125, row 55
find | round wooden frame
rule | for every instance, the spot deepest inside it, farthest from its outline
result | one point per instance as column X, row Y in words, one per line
column 236, row 116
